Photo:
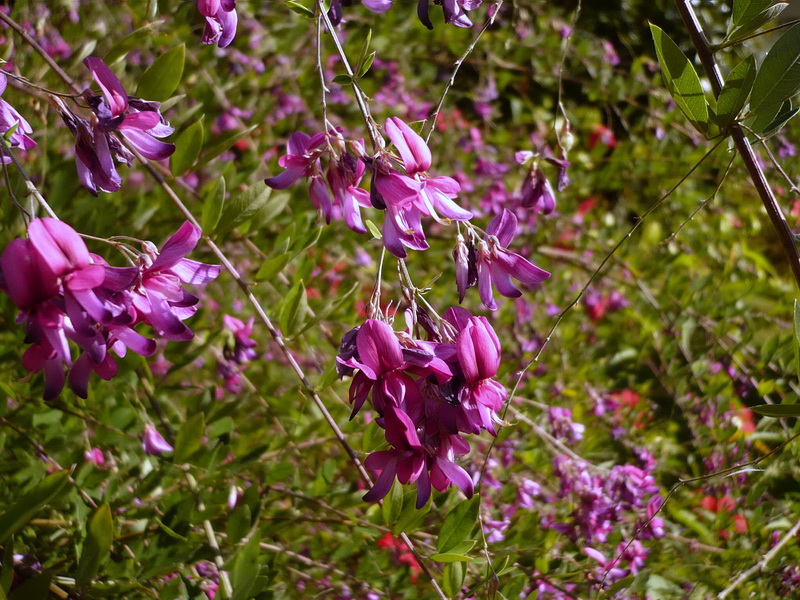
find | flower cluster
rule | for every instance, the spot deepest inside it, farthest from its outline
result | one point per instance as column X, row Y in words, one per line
column 489, row 263
column 11, row 120
column 601, row 500
column 406, row 196
column 221, row 21
column 138, row 121
column 64, row 293
column 240, row 349
column 455, row 11
column 426, row 393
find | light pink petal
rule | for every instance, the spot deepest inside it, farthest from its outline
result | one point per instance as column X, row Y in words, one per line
column 412, row 148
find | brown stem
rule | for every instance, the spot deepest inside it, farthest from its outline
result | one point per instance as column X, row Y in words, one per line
column 703, row 48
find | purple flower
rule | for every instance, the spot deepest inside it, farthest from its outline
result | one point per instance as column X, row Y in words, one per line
column 301, row 159
column 160, row 298
column 410, row 196
column 139, row 121
column 66, row 293
column 537, row 193
column 221, row 21
column 153, row 442
column 496, row 265
column 562, row 426
column 11, row 119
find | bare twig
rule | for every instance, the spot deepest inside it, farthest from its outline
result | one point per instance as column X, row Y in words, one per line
column 493, row 10
column 761, row 565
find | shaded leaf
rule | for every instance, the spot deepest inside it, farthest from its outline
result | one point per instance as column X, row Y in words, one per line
column 243, row 206
column 187, row 148
column 778, row 79
column 245, row 569
column 681, row 79
column 294, row 310
column 213, row 206
column 29, row 504
column 217, row 148
column 735, row 92
column 749, row 15
column 190, row 437
column 458, row 525
column 777, row 410
column 99, row 535
column 163, row 75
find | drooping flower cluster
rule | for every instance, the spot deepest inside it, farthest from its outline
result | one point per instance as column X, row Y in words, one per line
column 406, row 196
column 537, row 193
column 427, row 393
column 65, row 293
column 221, row 21
column 11, row 120
column 138, row 121
column 455, row 11
column 240, row 349
column 489, row 263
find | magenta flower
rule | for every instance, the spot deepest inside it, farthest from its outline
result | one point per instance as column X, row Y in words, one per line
column 65, row 293
column 410, row 196
column 301, row 159
column 380, row 362
column 497, row 265
column 139, row 121
column 160, row 298
column 343, row 176
column 406, row 460
column 221, row 21
column 153, row 442
column 11, row 119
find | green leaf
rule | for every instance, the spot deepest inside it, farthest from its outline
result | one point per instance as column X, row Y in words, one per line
column 187, row 148
column 797, row 337
column 243, row 206
column 239, row 523
column 270, row 268
column 190, row 437
column 786, row 113
column 212, row 207
column 162, row 76
column 453, row 579
column 364, row 51
column 450, row 557
column 99, row 535
column 393, row 504
column 777, row 410
column 749, row 15
column 778, row 79
column 294, row 310
column 367, row 64
column 735, row 92
column 220, row 427
column 132, row 41
column 458, row 525
column 343, row 80
column 373, row 229
column 29, row 504
column 170, row 532
column 411, row 517
column 301, row 10
column 223, row 145
column 681, row 80
column 245, row 569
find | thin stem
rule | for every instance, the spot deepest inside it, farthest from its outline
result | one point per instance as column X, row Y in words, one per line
column 377, row 140
column 224, row 579
column 493, row 10
column 719, row 47
column 762, row 564
column 771, row 205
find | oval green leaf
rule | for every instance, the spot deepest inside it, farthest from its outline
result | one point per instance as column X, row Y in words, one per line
column 681, row 80
column 187, row 148
column 162, row 76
